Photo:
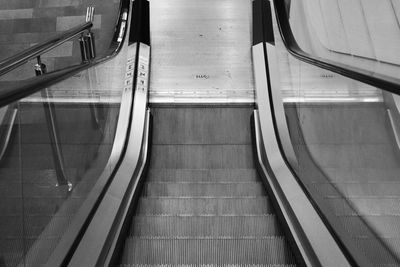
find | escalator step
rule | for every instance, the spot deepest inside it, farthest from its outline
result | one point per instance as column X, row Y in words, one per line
column 204, row 189
column 202, row 175
column 207, row 265
column 150, row 250
column 202, row 125
column 212, row 156
column 205, row 226
column 204, row 205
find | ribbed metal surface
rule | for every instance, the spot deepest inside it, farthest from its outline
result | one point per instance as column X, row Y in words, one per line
column 207, row 265
column 205, row 216
column 264, row 250
column 206, row 226
column 203, row 189
column 202, row 175
column 204, row 205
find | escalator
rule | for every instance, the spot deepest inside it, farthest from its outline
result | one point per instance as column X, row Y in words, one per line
column 302, row 170
column 202, row 201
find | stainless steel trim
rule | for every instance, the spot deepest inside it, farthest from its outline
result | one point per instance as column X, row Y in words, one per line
column 95, row 243
column 298, row 236
column 308, row 228
column 121, row 134
column 133, row 191
column 281, row 122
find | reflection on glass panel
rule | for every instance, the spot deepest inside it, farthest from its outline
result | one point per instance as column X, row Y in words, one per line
column 12, row 212
column 38, row 200
column 347, row 156
column 30, row 22
column 360, row 33
column 346, row 136
column 56, row 143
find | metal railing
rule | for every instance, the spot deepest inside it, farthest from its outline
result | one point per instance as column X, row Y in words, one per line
column 23, row 57
column 88, row 53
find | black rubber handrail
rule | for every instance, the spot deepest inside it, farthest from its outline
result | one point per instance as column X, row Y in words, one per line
column 378, row 80
column 23, row 57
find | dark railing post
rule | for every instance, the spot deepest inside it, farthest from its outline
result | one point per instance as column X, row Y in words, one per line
column 86, row 41
column 50, row 113
column 82, row 46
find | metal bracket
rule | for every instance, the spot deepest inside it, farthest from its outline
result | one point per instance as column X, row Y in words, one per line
column 87, row 40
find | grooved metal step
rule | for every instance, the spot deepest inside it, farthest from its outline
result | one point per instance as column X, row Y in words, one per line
column 202, row 125
column 269, row 250
column 209, row 156
column 204, row 189
column 207, row 265
column 204, row 205
column 202, row 175
column 202, row 202
column 205, row 226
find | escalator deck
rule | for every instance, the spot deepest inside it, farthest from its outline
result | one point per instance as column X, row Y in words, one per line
column 202, row 202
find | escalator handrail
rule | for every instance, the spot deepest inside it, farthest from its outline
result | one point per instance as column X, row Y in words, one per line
column 30, row 53
column 378, row 80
